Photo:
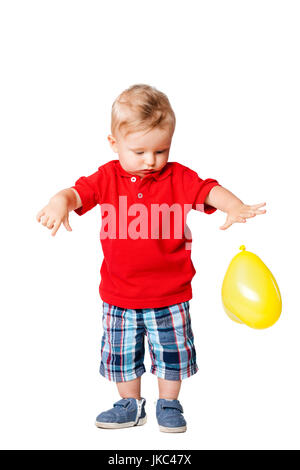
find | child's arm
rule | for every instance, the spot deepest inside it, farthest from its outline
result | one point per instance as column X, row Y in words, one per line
column 58, row 208
column 236, row 210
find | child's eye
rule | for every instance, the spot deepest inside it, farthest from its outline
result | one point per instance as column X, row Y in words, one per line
column 159, row 151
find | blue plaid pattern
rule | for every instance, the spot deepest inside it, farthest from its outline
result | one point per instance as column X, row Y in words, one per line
column 170, row 340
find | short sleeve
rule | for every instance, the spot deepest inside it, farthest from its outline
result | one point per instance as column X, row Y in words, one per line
column 198, row 189
column 89, row 190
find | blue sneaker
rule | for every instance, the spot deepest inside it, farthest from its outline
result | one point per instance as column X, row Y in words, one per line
column 169, row 416
column 126, row 412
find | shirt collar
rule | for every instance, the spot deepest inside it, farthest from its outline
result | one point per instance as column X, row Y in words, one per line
column 157, row 175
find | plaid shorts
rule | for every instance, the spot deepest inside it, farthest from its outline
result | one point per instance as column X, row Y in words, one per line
column 170, row 340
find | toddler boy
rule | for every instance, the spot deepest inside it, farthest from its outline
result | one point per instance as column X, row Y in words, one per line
column 147, row 269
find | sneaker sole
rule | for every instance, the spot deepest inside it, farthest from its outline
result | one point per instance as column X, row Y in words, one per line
column 130, row 424
column 166, row 429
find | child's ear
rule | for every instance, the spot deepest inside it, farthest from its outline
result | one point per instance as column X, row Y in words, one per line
column 112, row 143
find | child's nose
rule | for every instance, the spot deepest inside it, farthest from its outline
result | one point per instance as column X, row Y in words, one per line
column 149, row 159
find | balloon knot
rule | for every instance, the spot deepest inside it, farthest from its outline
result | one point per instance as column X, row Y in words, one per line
column 242, row 247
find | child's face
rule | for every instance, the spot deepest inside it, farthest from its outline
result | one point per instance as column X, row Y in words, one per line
column 143, row 150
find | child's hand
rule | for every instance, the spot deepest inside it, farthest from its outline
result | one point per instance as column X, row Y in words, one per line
column 55, row 213
column 241, row 212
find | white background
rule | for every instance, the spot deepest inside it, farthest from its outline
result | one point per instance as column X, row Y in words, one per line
column 231, row 72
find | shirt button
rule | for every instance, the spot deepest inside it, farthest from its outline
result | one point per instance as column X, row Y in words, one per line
column 140, row 195
column 133, row 179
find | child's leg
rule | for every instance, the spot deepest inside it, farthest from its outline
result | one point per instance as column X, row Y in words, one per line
column 169, row 412
column 169, row 389
column 127, row 412
column 122, row 348
column 130, row 389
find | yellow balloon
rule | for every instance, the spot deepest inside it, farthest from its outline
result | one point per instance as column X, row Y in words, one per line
column 250, row 293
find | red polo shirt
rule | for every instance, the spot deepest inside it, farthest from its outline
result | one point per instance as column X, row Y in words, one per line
column 145, row 240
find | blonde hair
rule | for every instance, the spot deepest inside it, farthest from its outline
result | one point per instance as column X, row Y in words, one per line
column 141, row 107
